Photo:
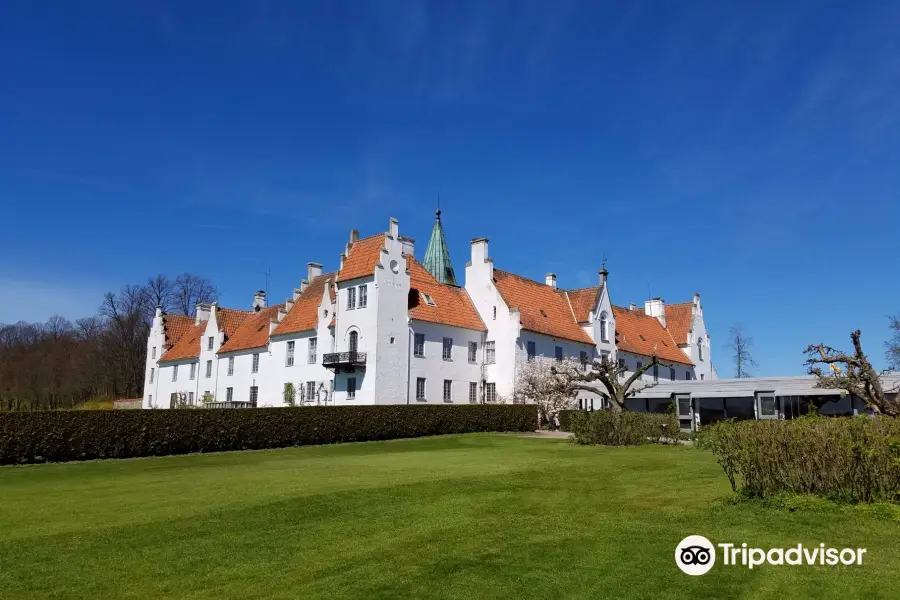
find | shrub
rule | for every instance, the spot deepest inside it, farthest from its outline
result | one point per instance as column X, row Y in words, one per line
column 852, row 459
column 59, row 436
column 622, row 428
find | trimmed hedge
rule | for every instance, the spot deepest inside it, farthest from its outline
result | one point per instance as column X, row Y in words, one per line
column 622, row 428
column 60, row 436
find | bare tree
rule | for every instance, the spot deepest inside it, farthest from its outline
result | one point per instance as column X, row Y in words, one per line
column 742, row 355
column 857, row 376
column 892, row 352
column 611, row 376
column 190, row 290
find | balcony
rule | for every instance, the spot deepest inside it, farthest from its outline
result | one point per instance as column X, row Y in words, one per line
column 230, row 404
column 344, row 361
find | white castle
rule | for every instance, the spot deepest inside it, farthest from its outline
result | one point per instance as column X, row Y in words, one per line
column 388, row 329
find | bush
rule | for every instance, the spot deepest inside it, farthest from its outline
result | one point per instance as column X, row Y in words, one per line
column 33, row 437
column 622, row 428
column 852, row 459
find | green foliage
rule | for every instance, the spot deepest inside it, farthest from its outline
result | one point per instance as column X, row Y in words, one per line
column 622, row 428
column 852, row 460
column 207, row 398
column 290, row 394
column 54, row 436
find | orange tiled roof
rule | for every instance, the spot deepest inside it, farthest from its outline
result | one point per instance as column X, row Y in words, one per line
column 253, row 332
column 363, row 257
column 453, row 306
column 542, row 309
column 187, row 347
column 229, row 319
column 679, row 320
column 639, row 334
column 304, row 315
column 175, row 326
column 583, row 301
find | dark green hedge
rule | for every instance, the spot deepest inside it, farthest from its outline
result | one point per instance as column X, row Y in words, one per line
column 61, row 436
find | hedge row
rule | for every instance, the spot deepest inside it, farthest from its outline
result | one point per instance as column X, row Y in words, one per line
column 622, row 428
column 60, row 436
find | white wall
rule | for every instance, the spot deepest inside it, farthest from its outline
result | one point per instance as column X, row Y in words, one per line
column 243, row 377
column 155, row 340
column 364, row 322
column 392, row 301
column 698, row 331
column 435, row 369
column 165, row 387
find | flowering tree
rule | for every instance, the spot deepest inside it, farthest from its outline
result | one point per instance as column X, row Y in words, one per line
column 547, row 383
column 608, row 379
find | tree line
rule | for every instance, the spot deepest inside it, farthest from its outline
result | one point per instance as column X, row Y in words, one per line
column 61, row 364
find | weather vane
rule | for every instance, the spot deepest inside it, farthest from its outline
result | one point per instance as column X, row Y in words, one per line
column 603, row 260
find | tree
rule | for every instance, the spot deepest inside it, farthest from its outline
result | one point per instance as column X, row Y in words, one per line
column 857, row 376
column 741, row 347
column 611, row 375
column 892, row 353
column 190, row 290
column 546, row 382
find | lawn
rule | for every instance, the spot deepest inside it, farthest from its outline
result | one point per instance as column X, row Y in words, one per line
column 472, row 516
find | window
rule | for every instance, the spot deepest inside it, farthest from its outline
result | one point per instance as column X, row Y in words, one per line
column 419, row 345
column 208, row 369
column 209, row 343
column 532, row 351
column 173, row 399
column 639, row 365
column 655, row 372
column 153, row 352
column 473, row 392
column 490, row 354
column 254, row 368
column 604, row 336
column 420, row 388
column 495, row 313
column 583, row 359
column 193, row 371
column 310, row 390
column 604, row 356
column 363, row 293
column 152, row 372
column 313, row 350
column 231, row 365
column 191, row 398
column 687, row 375
column 175, row 373
column 702, row 376
column 490, row 392
column 150, row 400
column 671, row 373
column 289, row 358
column 354, row 342
column 351, row 298
column 473, row 351
column 447, row 353
column 448, row 389
column 428, row 299
column 621, row 363
column 229, row 394
column 558, row 353
column 700, row 348
column 254, row 394
column 351, row 387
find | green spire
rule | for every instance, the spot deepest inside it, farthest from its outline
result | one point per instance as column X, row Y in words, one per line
column 437, row 257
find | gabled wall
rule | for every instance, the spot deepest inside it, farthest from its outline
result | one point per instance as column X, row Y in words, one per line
column 391, row 340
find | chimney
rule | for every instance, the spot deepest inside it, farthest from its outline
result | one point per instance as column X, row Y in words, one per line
column 299, row 290
column 695, row 308
column 408, row 245
column 632, row 306
column 656, row 308
column 288, row 305
column 354, row 236
column 202, row 313
column 394, row 228
column 550, row 279
column 479, row 251
column 603, row 274
column 313, row 270
column 343, row 256
column 259, row 300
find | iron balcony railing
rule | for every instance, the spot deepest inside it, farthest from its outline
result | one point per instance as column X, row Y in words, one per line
column 339, row 359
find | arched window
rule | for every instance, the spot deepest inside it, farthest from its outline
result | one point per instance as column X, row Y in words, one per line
column 354, row 341
column 604, row 335
column 700, row 348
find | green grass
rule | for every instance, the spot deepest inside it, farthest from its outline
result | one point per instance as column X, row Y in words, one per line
column 474, row 516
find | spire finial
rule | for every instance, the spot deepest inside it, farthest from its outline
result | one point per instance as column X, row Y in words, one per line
column 603, row 261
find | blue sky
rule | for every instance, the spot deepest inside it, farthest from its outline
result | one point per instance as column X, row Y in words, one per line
column 749, row 153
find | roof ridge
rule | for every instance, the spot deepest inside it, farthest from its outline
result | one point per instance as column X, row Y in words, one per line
column 530, row 280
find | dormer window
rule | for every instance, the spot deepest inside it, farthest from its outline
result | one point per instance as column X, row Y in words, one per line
column 428, row 299
column 543, row 313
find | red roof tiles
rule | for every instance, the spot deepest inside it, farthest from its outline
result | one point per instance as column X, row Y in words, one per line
column 187, row 347
column 363, row 257
column 583, row 302
column 175, row 326
column 639, row 334
column 542, row 309
column 229, row 319
column 452, row 304
column 679, row 319
column 253, row 332
column 304, row 315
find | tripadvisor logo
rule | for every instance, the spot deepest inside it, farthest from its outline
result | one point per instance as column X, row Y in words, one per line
column 696, row 555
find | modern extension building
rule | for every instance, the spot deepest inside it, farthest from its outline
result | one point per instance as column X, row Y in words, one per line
column 385, row 328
